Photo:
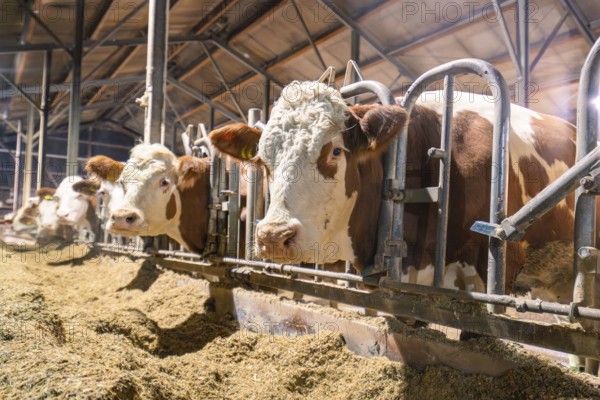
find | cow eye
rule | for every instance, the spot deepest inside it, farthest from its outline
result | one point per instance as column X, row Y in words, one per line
column 337, row 151
column 164, row 182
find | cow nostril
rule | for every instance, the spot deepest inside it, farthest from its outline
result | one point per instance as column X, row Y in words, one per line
column 130, row 219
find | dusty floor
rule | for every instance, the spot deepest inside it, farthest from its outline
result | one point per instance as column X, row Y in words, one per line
column 120, row 330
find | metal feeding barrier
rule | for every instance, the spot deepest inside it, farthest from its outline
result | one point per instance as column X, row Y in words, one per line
column 222, row 259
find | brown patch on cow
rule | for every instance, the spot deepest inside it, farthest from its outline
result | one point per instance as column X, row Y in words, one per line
column 367, row 179
column 45, row 192
column 171, row 207
column 237, row 140
column 193, row 185
column 87, row 187
column 104, row 168
column 325, row 168
column 554, row 139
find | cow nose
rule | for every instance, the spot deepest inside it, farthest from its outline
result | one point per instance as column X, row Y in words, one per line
column 126, row 216
column 278, row 236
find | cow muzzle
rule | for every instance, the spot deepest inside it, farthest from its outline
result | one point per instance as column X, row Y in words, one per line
column 276, row 241
column 126, row 221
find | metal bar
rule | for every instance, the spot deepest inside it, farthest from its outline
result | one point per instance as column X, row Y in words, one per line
column 294, row 270
column 521, row 304
column 17, row 168
column 116, row 28
column 233, row 208
column 308, row 35
column 351, row 24
column 27, row 170
column 223, row 81
column 522, row 96
column 584, row 291
column 513, row 227
column 137, row 41
column 507, row 39
column 41, row 23
column 177, row 116
column 156, row 71
column 580, row 21
column 498, row 195
column 254, row 203
column 202, row 98
column 20, row 91
column 548, row 41
column 444, row 183
column 45, row 103
column 266, row 99
column 236, row 54
column 75, row 98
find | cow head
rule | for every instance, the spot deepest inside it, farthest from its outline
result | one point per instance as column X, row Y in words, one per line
column 48, row 206
column 311, row 149
column 25, row 219
column 103, row 173
column 157, row 187
column 72, row 205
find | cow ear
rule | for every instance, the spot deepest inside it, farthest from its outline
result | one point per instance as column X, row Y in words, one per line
column 371, row 128
column 45, row 193
column 189, row 166
column 237, row 140
column 87, row 187
column 104, row 168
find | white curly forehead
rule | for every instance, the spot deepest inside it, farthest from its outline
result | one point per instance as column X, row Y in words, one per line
column 305, row 117
column 148, row 160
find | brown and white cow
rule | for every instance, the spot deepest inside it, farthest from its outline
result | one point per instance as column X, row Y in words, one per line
column 157, row 193
column 324, row 162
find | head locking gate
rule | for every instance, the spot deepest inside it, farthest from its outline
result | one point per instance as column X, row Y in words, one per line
column 226, row 240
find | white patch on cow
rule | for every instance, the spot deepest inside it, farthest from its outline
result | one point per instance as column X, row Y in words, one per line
column 461, row 272
column 307, row 116
column 141, row 179
column 18, row 225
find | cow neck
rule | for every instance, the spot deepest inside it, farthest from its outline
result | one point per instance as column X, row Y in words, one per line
column 192, row 200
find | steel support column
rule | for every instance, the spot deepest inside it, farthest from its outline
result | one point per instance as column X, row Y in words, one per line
column 522, row 96
column 75, row 99
column 156, row 71
column 17, row 178
column 27, row 170
column 45, row 103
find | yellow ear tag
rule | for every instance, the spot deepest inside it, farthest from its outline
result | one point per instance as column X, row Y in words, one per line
column 247, row 152
column 48, row 197
column 93, row 189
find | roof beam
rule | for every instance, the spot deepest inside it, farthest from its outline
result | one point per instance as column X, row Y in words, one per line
column 580, row 21
column 202, row 98
column 351, row 24
column 21, row 92
column 41, row 23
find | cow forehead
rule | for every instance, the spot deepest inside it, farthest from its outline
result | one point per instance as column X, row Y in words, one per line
column 145, row 162
column 305, row 117
column 65, row 188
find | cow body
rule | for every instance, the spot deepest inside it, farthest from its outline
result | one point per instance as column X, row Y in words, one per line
column 324, row 162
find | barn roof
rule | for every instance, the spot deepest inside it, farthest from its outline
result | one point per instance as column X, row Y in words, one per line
column 250, row 42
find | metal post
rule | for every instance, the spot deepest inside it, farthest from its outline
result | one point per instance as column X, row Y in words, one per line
column 445, row 157
column 156, row 71
column 17, row 167
column 211, row 120
column 254, row 203
column 585, row 203
column 74, row 108
column 45, row 105
column 355, row 56
column 27, row 171
column 498, row 190
column 266, row 99
column 522, row 96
